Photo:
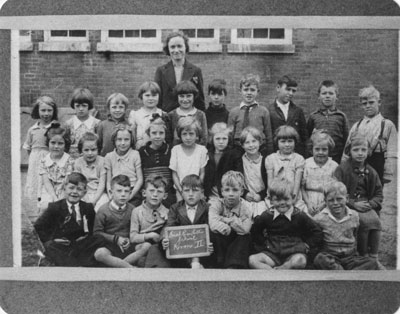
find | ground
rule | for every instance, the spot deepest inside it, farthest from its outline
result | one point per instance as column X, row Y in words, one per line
column 387, row 255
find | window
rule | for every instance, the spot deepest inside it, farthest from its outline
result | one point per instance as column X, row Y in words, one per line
column 202, row 34
column 261, row 36
column 66, row 35
column 131, row 35
column 65, row 40
column 25, row 35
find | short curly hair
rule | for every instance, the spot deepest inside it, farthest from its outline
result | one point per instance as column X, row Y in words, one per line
column 172, row 35
column 56, row 129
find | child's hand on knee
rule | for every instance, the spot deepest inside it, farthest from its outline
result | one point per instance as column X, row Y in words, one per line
column 165, row 243
column 210, row 248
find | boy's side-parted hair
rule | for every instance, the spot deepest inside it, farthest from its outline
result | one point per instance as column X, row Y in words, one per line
column 250, row 130
column 280, row 188
column 82, row 96
column 122, row 180
column 56, row 129
column 286, row 132
column 188, row 123
column 335, row 187
column 288, row 81
column 191, row 181
column 172, row 35
column 88, row 136
column 149, row 86
column 217, row 86
column 186, row 87
column 156, row 180
column 233, row 178
column 44, row 100
column 117, row 96
column 156, row 122
column 328, row 83
column 217, row 128
column 121, row 127
column 321, row 136
column 250, row 79
column 369, row 92
column 357, row 139
column 76, row 178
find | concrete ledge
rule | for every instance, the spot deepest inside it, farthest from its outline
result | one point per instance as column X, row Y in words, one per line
column 129, row 47
column 245, row 48
column 205, row 47
column 26, row 46
column 65, row 46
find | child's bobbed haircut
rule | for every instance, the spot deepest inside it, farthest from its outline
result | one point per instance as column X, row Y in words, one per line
column 88, row 137
column 191, row 181
column 172, row 35
column 357, row 139
column 369, row 92
column 280, row 188
column 149, row 86
column 328, row 83
column 158, row 121
column 122, row 180
column 121, row 127
column 82, row 96
column 75, row 178
column 188, row 123
column 186, row 87
column 335, row 187
column 321, row 136
column 56, row 129
column 252, row 131
column 250, row 79
column 217, row 128
column 287, row 80
column 44, row 100
column 117, row 96
column 217, row 86
column 233, row 179
column 156, row 180
column 285, row 132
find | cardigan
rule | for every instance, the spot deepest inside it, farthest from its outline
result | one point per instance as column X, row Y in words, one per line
column 216, row 114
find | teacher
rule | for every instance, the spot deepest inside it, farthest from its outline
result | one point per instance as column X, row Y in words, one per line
column 178, row 69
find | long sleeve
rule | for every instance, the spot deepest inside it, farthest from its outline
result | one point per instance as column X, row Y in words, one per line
column 135, row 236
column 199, row 102
column 243, row 223
column 46, row 223
column 99, row 227
column 214, row 216
column 268, row 133
column 313, row 233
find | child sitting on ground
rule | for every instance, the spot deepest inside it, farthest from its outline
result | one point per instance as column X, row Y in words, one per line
column 339, row 225
column 283, row 236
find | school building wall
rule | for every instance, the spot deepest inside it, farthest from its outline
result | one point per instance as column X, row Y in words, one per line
column 353, row 58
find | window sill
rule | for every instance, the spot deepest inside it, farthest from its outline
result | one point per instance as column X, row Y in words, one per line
column 129, row 47
column 205, row 47
column 26, row 46
column 72, row 46
column 257, row 48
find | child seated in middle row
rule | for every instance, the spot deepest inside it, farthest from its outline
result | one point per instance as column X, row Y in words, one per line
column 283, row 236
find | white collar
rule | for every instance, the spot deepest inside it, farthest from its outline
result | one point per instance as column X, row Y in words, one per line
column 61, row 162
column 88, row 122
column 348, row 215
column 38, row 125
column 191, row 207
column 116, row 207
column 76, row 206
column 180, row 112
column 243, row 104
column 288, row 214
column 147, row 113
column 282, row 105
column 377, row 117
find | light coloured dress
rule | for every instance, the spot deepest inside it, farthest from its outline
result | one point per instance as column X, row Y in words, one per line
column 57, row 172
column 316, row 177
column 35, row 143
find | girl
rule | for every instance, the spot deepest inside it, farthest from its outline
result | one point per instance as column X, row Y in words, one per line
column 188, row 157
column 318, row 172
column 222, row 158
column 365, row 193
column 81, row 101
column 285, row 163
column 155, row 157
column 149, row 93
column 124, row 160
column 253, row 165
column 55, row 166
column 186, row 93
column 117, row 104
column 91, row 165
column 44, row 110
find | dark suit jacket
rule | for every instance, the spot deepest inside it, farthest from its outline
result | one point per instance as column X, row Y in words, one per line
column 165, row 77
column 296, row 119
column 56, row 222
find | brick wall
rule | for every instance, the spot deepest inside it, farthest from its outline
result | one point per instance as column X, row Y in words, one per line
column 352, row 58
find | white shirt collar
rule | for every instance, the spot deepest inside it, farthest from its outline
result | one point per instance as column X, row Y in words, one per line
column 88, row 122
column 116, row 207
column 183, row 113
column 243, row 104
column 288, row 214
column 61, row 162
column 348, row 215
column 282, row 105
column 378, row 116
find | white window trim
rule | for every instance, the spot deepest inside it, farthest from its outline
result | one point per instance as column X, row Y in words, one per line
column 25, row 39
column 211, row 40
column 262, row 41
column 152, row 40
column 49, row 38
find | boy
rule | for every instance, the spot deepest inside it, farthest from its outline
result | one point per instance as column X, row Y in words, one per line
column 66, row 227
column 284, row 112
column 117, row 104
column 339, row 225
column 230, row 222
column 250, row 113
column 192, row 210
column 283, row 236
column 148, row 219
column 216, row 111
column 329, row 118
column 113, row 223
column 380, row 132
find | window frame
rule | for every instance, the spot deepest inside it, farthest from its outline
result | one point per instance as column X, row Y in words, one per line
column 49, row 38
column 287, row 40
column 143, row 40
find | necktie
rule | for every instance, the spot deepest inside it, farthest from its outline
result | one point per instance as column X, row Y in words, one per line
column 79, row 222
column 246, row 119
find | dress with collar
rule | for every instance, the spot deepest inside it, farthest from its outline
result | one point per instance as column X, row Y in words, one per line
column 105, row 129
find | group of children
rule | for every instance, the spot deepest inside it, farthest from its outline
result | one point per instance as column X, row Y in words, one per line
column 107, row 189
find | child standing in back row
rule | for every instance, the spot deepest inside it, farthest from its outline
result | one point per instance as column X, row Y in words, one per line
column 216, row 111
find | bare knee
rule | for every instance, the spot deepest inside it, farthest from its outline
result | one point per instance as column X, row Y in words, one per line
column 101, row 253
column 298, row 261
